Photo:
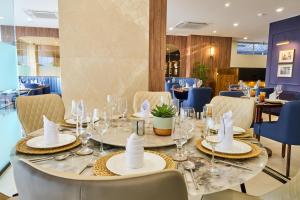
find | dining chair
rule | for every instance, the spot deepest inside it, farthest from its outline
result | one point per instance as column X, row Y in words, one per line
column 36, row 183
column 288, row 191
column 267, row 90
column 153, row 97
column 231, row 93
column 198, row 97
column 31, row 109
column 285, row 130
column 4, row 197
column 242, row 108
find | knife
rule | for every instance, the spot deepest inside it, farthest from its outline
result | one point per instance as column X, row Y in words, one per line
column 233, row 164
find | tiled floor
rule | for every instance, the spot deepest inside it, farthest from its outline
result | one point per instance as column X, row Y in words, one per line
column 261, row 184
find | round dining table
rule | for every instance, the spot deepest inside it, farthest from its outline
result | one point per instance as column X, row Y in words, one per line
column 229, row 176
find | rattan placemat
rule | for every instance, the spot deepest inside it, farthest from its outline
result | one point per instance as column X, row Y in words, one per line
column 247, row 134
column 21, row 147
column 100, row 168
column 256, row 150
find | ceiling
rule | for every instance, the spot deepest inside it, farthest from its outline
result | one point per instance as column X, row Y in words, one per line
column 221, row 18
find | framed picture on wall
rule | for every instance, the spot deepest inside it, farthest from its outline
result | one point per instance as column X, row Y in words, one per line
column 286, row 56
column 285, row 70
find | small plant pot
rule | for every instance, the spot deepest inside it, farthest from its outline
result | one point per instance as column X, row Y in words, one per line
column 162, row 126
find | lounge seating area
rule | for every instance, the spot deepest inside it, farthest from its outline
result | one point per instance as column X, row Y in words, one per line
column 149, row 100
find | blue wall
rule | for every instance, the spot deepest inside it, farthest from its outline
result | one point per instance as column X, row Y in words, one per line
column 285, row 30
column 8, row 67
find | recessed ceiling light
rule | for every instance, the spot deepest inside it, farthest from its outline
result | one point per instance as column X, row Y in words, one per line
column 261, row 14
column 227, row 4
column 279, row 9
column 29, row 19
column 171, row 29
column 236, row 24
column 1, row 17
column 245, row 38
column 214, row 31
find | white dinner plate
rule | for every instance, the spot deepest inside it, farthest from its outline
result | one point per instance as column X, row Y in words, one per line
column 152, row 162
column 238, row 147
column 39, row 141
column 236, row 130
column 140, row 115
column 277, row 101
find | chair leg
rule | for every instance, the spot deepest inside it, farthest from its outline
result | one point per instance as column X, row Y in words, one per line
column 283, row 148
column 288, row 160
column 270, row 117
column 243, row 188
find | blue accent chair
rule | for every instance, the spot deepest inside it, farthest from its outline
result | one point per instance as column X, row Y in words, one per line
column 234, row 87
column 53, row 82
column 169, row 82
column 231, row 93
column 31, row 85
column 286, row 130
column 198, row 97
column 268, row 91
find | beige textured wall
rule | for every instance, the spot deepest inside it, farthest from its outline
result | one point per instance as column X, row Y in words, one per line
column 244, row 61
column 104, row 49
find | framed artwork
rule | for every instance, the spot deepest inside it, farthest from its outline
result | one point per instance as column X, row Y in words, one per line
column 286, row 56
column 285, row 70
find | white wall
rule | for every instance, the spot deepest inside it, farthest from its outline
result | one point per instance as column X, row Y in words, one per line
column 246, row 61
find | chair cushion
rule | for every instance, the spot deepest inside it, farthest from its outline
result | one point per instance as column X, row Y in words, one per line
column 229, row 195
column 242, row 108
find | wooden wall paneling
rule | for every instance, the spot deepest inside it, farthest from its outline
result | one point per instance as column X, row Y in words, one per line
column 36, row 31
column 181, row 43
column 157, row 44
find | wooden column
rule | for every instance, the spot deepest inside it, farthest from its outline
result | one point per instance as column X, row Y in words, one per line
column 157, row 44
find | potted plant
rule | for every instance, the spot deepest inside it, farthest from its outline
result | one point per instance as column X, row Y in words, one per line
column 163, row 116
column 200, row 71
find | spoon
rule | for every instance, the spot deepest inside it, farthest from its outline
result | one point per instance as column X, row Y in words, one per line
column 57, row 158
column 89, row 165
column 188, row 165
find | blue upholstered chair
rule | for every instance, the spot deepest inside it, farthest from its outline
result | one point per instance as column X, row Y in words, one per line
column 198, row 97
column 31, row 85
column 231, row 93
column 234, row 86
column 37, row 91
column 286, row 130
column 268, row 91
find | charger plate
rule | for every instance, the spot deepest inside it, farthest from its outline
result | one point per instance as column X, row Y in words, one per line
column 21, row 147
column 256, row 150
column 100, row 168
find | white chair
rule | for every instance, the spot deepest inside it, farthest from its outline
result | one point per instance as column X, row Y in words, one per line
column 36, row 183
column 153, row 97
column 288, row 191
column 242, row 108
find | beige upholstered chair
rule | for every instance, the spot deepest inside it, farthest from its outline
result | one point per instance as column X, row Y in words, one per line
column 153, row 98
column 36, row 183
column 242, row 108
column 32, row 108
column 288, row 191
column 4, row 197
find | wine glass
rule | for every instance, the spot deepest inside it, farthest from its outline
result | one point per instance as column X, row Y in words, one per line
column 122, row 109
column 75, row 115
column 102, row 126
column 213, row 137
column 175, row 104
column 85, row 136
column 187, row 120
column 180, row 139
column 81, row 112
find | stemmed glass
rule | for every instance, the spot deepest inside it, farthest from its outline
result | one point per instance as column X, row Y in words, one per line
column 213, row 137
column 180, row 139
column 101, row 126
column 122, row 109
column 278, row 90
column 175, row 104
column 187, row 120
column 85, row 135
column 75, row 115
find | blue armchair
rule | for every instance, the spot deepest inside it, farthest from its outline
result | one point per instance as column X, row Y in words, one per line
column 268, row 91
column 285, row 130
column 197, row 98
column 231, row 93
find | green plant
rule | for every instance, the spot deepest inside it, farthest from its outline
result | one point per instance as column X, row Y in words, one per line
column 164, row 111
column 200, row 72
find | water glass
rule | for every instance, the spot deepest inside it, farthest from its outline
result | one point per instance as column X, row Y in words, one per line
column 122, row 109
column 179, row 139
column 85, row 136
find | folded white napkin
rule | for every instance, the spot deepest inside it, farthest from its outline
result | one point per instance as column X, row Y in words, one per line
column 227, row 126
column 199, row 83
column 272, row 96
column 50, row 131
column 135, row 151
column 145, row 109
column 187, row 85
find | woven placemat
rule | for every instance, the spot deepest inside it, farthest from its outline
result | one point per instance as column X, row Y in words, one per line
column 256, row 150
column 100, row 168
column 21, row 147
column 247, row 134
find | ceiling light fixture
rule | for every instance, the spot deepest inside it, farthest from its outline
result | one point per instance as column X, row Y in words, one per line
column 227, row 4
column 261, row 14
column 245, row 38
column 1, row 17
column 279, row 9
column 171, row 29
column 29, row 19
column 282, row 43
column 214, row 32
column 236, row 24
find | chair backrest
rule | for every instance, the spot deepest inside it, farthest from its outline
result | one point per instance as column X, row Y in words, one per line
column 288, row 191
column 31, row 109
column 231, row 93
column 288, row 123
column 153, row 97
column 242, row 109
column 290, row 95
column 268, row 91
column 198, row 97
column 36, row 183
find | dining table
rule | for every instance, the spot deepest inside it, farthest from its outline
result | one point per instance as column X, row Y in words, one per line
column 115, row 138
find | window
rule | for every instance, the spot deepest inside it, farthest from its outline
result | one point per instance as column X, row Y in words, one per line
column 247, row 48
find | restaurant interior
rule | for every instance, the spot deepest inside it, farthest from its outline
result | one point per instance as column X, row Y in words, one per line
column 149, row 99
